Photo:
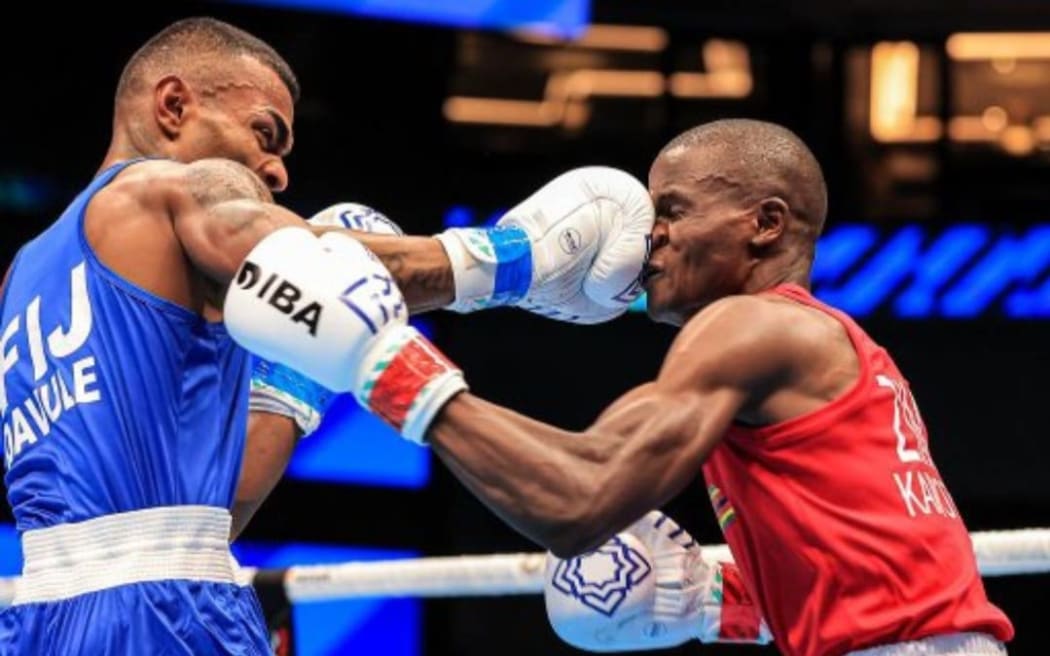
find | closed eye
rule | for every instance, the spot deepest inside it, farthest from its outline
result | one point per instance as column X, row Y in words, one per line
column 267, row 138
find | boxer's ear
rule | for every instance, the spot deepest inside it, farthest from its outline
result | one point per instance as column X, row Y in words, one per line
column 171, row 100
column 770, row 221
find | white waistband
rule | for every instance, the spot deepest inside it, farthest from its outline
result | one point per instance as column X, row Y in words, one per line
column 172, row 542
column 951, row 644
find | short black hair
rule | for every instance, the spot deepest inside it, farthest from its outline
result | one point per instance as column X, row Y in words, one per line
column 201, row 36
column 765, row 158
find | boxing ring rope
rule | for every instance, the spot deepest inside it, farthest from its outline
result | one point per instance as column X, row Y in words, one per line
column 999, row 553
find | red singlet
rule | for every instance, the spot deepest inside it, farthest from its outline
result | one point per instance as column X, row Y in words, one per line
column 844, row 534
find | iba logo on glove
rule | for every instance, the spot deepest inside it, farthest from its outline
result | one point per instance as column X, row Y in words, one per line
column 602, row 578
column 279, row 294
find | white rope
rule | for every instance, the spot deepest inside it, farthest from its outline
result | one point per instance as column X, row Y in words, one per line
column 999, row 553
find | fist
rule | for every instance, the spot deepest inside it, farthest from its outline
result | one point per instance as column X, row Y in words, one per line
column 354, row 216
column 572, row 251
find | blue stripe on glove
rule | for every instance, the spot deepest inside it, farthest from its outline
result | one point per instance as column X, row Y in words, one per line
column 513, row 264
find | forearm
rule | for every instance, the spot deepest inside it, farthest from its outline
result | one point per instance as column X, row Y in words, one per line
column 419, row 265
column 549, row 484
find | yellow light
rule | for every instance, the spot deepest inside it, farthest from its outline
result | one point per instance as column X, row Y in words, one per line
column 500, row 111
column 564, row 100
column 1018, row 140
column 624, row 37
column 728, row 73
column 976, row 46
column 585, row 83
column 967, row 129
column 994, row 118
column 894, row 90
column 639, row 38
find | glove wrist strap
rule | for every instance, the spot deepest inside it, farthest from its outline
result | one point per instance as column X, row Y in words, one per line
column 279, row 390
column 490, row 267
column 732, row 615
column 406, row 381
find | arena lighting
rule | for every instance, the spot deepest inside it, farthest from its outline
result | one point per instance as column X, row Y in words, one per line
column 564, row 18
column 893, row 110
column 1001, row 46
column 727, row 74
column 727, row 66
column 564, row 99
column 638, row 38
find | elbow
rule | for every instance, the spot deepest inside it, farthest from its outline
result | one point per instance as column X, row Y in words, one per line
column 578, row 531
column 565, row 549
column 574, row 542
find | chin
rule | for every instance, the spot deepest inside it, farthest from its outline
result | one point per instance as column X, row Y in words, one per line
column 662, row 312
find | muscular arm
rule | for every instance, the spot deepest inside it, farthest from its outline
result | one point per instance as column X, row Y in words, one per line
column 221, row 211
column 572, row 491
column 419, row 265
column 268, row 448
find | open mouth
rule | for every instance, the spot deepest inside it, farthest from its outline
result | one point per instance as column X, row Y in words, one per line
column 651, row 273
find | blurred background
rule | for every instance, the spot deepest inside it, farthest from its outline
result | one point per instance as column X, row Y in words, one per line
column 932, row 122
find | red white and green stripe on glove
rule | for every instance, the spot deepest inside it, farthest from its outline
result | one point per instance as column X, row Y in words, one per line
column 328, row 308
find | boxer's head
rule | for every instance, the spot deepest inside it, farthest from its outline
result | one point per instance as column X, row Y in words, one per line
column 739, row 206
column 202, row 88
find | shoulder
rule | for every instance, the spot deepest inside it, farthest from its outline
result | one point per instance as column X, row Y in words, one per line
column 167, row 184
column 747, row 340
column 211, row 181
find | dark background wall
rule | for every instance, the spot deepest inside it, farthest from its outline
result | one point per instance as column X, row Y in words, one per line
column 370, row 128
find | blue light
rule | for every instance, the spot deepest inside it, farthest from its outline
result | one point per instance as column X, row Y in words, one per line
column 354, row 626
column 354, row 446
column 1011, row 260
column 959, row 272
column 866, row 289
column 840, row 249
column 564, row 18
column 1026, row 304
column 945, row 257
column 27, row 193
column 458, row 216
column 10, row 551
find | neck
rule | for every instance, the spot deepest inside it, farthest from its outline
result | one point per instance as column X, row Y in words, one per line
column 793, row 268
column 130, row 142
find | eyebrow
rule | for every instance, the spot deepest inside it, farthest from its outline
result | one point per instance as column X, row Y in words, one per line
column 284, row 133
column 665, row 198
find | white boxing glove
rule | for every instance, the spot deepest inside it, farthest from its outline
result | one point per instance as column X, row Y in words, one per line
column 355, row 216
column 573, row 251
column 648, row 587
column 277, row 389
column 327, row 307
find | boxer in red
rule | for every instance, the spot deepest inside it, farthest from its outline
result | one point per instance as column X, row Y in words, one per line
column 812, row 448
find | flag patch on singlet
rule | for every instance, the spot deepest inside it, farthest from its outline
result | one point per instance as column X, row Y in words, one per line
column 723, row 509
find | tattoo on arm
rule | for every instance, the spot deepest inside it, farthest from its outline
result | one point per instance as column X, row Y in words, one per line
column 222, row 211
column 420, row 267
column 212, row 181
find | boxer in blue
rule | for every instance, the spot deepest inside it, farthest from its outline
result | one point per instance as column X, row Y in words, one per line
column 124, row 397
